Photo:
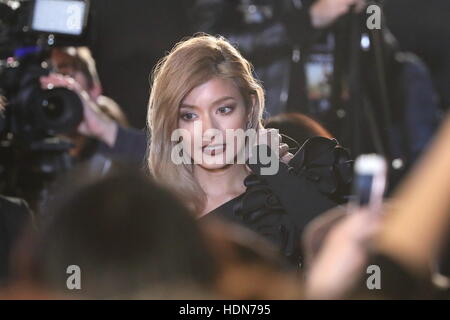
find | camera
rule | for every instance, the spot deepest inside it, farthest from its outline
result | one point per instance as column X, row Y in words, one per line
column 31, row 118
column 29, row 30
column 32, row 113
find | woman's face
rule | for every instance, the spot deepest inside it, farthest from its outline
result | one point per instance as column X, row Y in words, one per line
column 205, row 114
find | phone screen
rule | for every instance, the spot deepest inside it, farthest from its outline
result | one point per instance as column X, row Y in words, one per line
column 363, row 188
column 369, row 182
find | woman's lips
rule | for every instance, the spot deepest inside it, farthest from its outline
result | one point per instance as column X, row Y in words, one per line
column 213, row 150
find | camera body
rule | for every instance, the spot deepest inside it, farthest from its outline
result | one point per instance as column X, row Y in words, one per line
column 29, row 30
column 32, row 118
column 33, row 113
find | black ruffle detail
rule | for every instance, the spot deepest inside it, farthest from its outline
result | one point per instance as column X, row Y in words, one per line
column 261, row 210
column 278, row 207
column 327, row 164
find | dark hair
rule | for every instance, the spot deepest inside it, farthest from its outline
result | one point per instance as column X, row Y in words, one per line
column 128, row 236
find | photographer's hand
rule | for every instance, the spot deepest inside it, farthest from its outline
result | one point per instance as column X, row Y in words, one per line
column 324, row 12
column 94, row 123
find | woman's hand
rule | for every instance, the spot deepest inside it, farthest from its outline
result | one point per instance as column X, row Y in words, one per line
column 285, row 155
column 95, row 123
column 271, row 136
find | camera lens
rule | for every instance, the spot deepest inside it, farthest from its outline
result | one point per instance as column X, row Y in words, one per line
column 62, row 110
column 53, row 108
column 59, row 110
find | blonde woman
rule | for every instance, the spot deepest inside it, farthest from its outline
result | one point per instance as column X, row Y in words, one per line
column 205, row 82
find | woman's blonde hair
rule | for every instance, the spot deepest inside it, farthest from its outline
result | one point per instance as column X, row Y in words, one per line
column 191, row 63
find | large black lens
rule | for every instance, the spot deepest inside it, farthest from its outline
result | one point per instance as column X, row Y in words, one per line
column 53, row 108
column 60, row 110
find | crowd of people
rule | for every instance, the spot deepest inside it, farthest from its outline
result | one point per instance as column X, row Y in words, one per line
column 133, row 223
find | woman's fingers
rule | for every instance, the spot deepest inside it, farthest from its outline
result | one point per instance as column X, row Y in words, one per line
column 284, row 148
column 287, row 157
column 271, row 137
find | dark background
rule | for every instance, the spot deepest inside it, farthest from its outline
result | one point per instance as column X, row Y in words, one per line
column 128, row 37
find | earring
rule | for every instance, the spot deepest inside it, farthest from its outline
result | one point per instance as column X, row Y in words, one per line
column 249, row 125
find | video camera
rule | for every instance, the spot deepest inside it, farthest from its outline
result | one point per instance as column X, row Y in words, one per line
column 32, row 118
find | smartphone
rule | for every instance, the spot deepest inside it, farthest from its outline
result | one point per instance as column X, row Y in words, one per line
column 369, row 182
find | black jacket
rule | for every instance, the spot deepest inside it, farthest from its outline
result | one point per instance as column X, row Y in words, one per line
column 130, row 147
column 14, row 216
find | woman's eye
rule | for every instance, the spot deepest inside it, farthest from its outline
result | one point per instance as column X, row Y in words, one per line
column 225, row 110
column 188, row 116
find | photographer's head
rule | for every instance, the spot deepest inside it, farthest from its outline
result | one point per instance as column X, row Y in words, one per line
column 78, row 63
column 75, row 69
column 203, row 82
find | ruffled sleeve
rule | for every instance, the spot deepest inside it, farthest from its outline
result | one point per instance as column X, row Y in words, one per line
column 327, row 164
column 317, row 179
column 279, row 206
column 261, row 210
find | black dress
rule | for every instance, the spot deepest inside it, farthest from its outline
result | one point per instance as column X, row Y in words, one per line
column 279, row 206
